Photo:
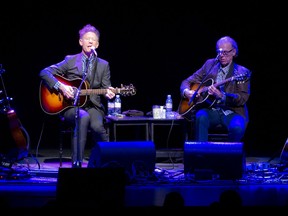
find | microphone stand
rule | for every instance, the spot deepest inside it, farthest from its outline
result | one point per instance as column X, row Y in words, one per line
column 77, row 112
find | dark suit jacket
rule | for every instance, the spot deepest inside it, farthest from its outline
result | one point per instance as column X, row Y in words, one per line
column 71, row 68
column 237, row 92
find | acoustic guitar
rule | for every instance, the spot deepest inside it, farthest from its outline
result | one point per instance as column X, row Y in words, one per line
column 53, row 102
column 204, row 99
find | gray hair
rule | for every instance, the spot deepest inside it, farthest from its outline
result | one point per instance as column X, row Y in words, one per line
column 227, row 39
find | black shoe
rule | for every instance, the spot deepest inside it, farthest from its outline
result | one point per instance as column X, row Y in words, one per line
column 76, row 164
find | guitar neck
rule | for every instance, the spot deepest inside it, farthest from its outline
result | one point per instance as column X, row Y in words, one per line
column 205, row 88
column 98, row 91
column 93, row 91
column 223, row 82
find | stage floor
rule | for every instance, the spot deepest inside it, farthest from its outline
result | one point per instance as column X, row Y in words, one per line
column 32, row 182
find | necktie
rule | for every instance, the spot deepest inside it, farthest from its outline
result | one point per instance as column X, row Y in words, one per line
column 87, row 66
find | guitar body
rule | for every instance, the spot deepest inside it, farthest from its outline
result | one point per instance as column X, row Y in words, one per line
column 16, row 130
column 202, row 101
column 14, row 138
column 53, row 102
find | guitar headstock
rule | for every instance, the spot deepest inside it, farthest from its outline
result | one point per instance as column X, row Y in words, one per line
column 127, row 90
column 242, row 78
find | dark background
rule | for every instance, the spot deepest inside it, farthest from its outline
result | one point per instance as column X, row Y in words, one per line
column 154, row 47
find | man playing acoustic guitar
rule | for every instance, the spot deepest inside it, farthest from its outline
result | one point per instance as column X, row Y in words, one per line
column 87, row 66
column 217, row 93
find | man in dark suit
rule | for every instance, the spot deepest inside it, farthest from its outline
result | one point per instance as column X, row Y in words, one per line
column 95, row 72
column 217, row 93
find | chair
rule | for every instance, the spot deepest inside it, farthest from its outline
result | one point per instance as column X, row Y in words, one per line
column 217, row 134
column 65, row 129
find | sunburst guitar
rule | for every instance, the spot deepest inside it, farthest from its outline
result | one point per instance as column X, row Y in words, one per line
column 53, row 102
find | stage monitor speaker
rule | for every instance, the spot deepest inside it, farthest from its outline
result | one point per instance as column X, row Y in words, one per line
column 214, row 160
column 91, row 187
column 136, row 157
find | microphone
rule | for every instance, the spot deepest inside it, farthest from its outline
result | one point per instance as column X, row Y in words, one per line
column 218, row 55
column 94, row 50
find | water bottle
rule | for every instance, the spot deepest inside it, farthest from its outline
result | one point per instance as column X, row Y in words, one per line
column 117, row 104
column 169, row 106
column 162, row 112
column 110, row 107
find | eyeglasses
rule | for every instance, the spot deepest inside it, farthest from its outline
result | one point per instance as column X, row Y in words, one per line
column 90, row 38
column 223, row 52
